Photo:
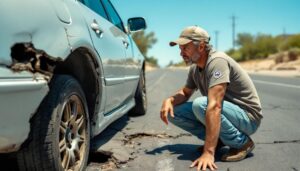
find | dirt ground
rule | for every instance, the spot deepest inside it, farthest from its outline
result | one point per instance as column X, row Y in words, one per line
column 269, row 67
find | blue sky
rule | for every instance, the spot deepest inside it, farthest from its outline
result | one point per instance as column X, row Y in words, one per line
column 167, row 18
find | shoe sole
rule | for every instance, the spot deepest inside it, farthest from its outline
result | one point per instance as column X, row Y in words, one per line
column 239, row 159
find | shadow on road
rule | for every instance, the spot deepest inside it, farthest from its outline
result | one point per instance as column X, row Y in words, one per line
column 8, row 162
column 187, row 151
column 109, row 132
column 104, row 137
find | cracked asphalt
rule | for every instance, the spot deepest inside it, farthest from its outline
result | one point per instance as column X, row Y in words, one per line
column 145, row 143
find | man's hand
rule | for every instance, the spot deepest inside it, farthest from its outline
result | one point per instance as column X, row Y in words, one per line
column 206, row 160
column 181, row 96
column 167, row 107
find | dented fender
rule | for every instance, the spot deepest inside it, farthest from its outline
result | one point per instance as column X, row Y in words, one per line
column 33, row 41
column 35, row 22
column 20, row 95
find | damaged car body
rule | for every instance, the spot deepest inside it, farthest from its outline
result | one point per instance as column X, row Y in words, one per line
column 67, row 70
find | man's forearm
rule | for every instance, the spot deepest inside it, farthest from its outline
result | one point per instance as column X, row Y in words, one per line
column 179, row 97
column 213, row 124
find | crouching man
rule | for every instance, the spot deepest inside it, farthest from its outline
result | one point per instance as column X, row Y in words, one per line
column 229, row 109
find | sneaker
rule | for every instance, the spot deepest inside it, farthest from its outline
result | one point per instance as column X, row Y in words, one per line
column 219, row 146
column 238, row 154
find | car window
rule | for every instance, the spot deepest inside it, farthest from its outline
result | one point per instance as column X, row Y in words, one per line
column 96, row 6
column 114, row 17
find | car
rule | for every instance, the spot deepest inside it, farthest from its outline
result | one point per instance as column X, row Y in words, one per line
column 67, row 70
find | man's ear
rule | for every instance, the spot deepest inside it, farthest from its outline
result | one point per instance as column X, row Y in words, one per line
column 201, row 47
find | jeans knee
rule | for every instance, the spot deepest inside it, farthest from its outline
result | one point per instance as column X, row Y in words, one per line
column 199, row 104
column 199, row 107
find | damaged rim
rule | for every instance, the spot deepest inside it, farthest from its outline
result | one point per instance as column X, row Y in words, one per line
column 72, row 134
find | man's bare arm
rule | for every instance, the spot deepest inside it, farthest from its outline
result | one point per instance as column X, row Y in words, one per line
column 180, row 96
column 213, row 124
column 213, row 117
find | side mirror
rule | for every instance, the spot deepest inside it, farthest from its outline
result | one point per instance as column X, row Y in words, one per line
column 136, row 24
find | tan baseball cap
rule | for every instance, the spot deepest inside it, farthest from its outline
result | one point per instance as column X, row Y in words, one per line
column 191, row 33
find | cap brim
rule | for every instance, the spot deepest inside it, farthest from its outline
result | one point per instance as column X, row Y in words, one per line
column 180, row 41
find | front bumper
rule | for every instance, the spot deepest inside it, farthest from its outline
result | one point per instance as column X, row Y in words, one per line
column 20, row 97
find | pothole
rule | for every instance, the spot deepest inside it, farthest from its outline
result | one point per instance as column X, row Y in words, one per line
column 9, row 162
column 101, row 161
column 99, row 157
column 117, row 154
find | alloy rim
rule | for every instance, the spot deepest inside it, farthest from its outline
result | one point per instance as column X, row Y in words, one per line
column 72, row 134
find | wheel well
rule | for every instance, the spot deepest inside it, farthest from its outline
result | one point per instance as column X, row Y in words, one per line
column 143, row 67
column 83, row 66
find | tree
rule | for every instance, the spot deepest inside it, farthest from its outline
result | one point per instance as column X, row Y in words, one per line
column 244, row 39
column 254, row 47
column 152, row 61
column 265, row 45
column 170, row 64
column 290, row 42
column 145, row 42
column 235, row 54
column 246, row 42
column 262, row 45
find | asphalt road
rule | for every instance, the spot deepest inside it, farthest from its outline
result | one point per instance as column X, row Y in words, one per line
column 145, row 143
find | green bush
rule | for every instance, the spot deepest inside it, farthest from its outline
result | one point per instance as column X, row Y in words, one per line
column 235, row 54
column 289, row 42
column 263, row 45
column 255, row 47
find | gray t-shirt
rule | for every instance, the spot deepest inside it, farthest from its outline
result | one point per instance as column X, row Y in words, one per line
column 220, row 68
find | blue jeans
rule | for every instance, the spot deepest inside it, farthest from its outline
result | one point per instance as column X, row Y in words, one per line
column 235, row 124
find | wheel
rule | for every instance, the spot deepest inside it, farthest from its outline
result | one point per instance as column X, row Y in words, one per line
column 60, row 130
column 140, row 98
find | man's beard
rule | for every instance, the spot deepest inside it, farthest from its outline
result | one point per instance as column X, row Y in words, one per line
column 192, row 60
column 188, row 61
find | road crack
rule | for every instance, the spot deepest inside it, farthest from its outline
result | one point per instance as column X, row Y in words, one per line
column 280, row 142
column 118, row 157
column 129, row 138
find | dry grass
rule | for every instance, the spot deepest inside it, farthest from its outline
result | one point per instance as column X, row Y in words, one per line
column 270, row 67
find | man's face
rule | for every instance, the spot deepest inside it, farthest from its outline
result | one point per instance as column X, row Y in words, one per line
column 189, row 53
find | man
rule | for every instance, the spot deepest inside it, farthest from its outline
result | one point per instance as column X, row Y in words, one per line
column 230, row 108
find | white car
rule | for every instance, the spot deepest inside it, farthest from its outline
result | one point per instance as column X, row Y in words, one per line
column 68, row 68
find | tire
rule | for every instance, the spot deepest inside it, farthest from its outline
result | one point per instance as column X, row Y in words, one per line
column 60, row 131
column 140, row 98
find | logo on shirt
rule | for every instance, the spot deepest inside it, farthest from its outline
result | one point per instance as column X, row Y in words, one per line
column 217, row 74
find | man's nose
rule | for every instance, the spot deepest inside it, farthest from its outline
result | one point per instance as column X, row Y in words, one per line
column 181, row 53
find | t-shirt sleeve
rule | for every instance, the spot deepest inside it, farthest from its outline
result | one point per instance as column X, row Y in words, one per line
column 218, row 72
column 190, row 82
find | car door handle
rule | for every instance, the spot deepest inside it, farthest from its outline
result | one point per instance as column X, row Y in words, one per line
column 96, row 28
column 125, row 43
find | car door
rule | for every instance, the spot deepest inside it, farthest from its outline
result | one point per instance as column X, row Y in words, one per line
column 107, row 41
column 131, row 73
column 134, row 61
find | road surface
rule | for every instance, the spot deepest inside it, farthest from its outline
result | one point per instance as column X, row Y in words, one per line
column 145, row 143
